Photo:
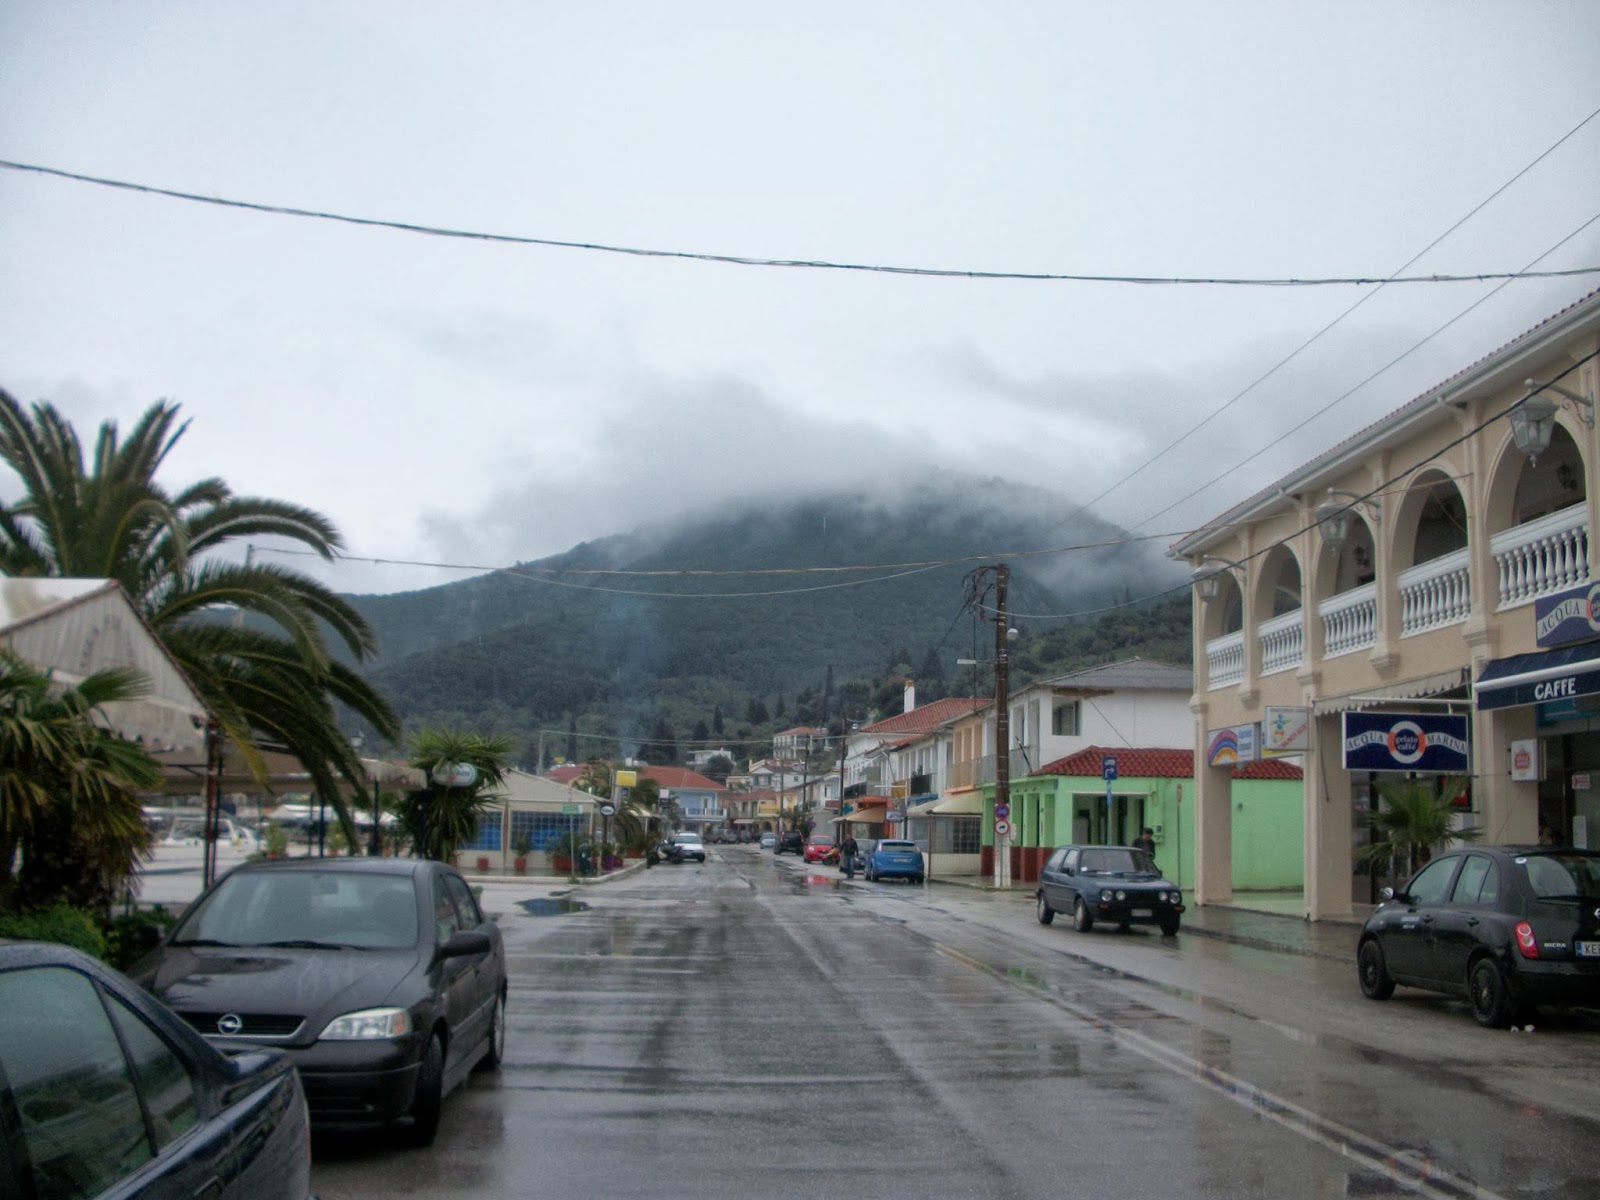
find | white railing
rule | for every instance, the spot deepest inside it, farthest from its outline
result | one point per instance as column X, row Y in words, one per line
column 1349, row 620
column 1282, row 642
column 1225, row 660
column 1542, row 556
column 1435, row 593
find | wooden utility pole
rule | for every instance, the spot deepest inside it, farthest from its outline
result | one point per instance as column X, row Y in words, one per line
column 1002, row 732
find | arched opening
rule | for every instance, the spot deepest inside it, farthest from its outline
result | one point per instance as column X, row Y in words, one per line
column 1555, row 482
column 1431, row 534
column 1281, row 629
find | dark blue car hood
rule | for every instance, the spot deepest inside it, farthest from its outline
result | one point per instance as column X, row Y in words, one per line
column 312, row 983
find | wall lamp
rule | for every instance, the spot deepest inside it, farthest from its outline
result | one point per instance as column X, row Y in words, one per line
column 1334, row 515
column 1207, row 577
column 1534, row 420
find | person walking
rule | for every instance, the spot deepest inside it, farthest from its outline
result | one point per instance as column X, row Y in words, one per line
column 847, row 854
column 1146, row 841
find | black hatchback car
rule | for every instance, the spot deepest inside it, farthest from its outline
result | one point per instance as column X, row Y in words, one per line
column 792, row 842
column 380, row 977
column 103, row 1092
column 1509, row 928
column 1117, row 884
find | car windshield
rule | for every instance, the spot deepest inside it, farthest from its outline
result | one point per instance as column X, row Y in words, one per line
column 305, row 908
column 820, row 840
column 1557, row 876
column 686, row 839
column 886, row 844
column 1116, row 860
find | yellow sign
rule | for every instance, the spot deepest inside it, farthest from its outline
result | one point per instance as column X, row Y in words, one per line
column 626, row 779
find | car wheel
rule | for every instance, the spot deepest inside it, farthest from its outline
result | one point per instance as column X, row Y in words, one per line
column 1373, row 971
column 1082, row 918
column 497, row 1036
column 1169, row 926
column 1046, row 913
column 1491, row 998
column 426, row 1105
column 917, row 879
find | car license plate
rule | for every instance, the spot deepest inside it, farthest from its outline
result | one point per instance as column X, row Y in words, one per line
column 1143, row 912
column 1588, row 949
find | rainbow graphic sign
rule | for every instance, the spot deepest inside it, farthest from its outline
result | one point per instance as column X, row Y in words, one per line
column 1232, row 745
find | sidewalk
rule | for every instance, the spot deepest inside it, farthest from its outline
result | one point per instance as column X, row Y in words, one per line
column 1263, row 920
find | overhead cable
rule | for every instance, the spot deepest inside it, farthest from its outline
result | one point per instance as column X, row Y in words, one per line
column 812, row 264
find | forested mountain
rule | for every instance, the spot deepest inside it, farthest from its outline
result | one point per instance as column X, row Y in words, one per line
column 735, row 618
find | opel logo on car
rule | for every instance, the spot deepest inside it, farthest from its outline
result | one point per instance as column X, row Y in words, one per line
column 230, row 1023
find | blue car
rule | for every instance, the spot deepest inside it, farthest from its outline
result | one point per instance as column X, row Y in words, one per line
column 895, row 858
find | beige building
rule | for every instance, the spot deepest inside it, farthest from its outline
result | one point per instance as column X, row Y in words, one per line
column 1404, row 572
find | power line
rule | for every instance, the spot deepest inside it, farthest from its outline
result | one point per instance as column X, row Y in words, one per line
column 1329, row 327
column 812, row 264
column 1348, row 392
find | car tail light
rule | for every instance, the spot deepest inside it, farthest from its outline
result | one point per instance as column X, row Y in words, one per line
column 1527, row 944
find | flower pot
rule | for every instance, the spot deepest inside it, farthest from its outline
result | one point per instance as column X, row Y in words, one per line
column 561, row 863
column 521, row 863
column 483, row 862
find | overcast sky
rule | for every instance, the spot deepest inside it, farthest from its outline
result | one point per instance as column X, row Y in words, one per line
column 481, row 403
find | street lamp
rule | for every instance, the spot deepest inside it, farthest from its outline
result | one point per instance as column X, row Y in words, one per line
column 1207, row 577
column 1334, row 516
column 1533, row 421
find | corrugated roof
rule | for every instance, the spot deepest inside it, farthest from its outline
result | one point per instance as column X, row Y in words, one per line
column 1158, row 762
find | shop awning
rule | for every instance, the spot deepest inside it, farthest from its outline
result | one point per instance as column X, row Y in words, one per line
column 1412, row 689
column 862, row 816
column 962, row 804
column 1522, row 679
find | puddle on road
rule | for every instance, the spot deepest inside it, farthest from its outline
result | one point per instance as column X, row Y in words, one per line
column 559, row 906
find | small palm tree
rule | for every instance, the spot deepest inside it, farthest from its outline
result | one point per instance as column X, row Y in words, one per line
column 1413, row 821
column 69, row 790
column 443, row 816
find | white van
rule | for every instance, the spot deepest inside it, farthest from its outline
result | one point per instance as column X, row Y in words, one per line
column 190, row 831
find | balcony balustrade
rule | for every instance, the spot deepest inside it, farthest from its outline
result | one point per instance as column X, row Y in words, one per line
column 1435, row 593
column 1225, row 660
column 1282, row 642
column 1349, row 621
column 973, row 772
column 1543, row 556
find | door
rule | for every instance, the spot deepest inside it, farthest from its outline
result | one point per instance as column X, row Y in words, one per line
column 1408, row 937
column 1457, row 923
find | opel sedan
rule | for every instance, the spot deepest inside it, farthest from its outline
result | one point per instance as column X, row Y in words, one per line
column 379, row 977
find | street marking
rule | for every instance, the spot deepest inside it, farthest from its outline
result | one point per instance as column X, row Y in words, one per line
column 1415, row 1172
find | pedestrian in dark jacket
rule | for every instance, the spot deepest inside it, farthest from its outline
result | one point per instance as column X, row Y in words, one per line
column 847, row 855
column 1146, row 841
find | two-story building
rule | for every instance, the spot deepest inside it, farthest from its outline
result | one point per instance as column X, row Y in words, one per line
column 1421, row 598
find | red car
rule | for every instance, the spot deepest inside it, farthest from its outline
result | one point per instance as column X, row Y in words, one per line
column 818, row 846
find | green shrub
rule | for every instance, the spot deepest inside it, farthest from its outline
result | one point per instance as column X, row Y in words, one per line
column 58, row 923
column 126, row 944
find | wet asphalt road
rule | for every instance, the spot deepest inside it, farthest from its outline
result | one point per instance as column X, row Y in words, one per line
column 754, row 1027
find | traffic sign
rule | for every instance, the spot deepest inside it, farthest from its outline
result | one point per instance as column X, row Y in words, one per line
column 1002, row 811
column 1002, row 828
column 607, row 810
column 1108, row 766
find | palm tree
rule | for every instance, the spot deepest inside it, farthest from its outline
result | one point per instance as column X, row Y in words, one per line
column 443, row 816
column 272, row 680
column 68, row 790
column 1413, row 822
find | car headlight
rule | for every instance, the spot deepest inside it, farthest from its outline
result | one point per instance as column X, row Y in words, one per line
column 1105, row 894
column 369, row 1023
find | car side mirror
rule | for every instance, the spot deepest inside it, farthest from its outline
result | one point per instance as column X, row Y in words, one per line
column 1388, row 894
column 465, row 943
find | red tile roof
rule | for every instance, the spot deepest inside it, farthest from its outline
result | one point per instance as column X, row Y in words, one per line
column 928, row 717
column 1158, row 763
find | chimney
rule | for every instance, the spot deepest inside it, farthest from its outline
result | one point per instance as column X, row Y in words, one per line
column 911, row 694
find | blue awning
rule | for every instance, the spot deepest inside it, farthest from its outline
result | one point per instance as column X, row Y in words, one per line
column 1536, row 678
